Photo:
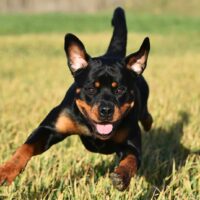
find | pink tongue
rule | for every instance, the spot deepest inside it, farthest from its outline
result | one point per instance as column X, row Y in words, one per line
column 104, row 128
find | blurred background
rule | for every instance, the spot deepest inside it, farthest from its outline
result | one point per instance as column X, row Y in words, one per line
column 156, row 6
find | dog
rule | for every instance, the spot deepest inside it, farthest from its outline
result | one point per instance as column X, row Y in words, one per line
column 103, row 106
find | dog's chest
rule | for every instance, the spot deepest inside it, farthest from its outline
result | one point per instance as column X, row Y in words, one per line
column 105, row 146
column 99, row 146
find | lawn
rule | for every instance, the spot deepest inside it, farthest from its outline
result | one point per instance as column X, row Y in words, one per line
column 34, row 78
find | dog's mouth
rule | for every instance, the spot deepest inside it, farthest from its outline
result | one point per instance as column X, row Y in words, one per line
column 101, row 129
column 104, row 130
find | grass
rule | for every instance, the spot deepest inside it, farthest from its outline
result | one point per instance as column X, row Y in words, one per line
column 62, row 23
column 34, row 78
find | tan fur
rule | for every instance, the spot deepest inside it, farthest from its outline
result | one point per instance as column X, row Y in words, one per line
column 120, row 111
column 92, row 112
column 114, row 84
column 16, row 164
column 129, row 164
column 66, row 125
column 97, row 84
column 78, row 90
column 87, row 110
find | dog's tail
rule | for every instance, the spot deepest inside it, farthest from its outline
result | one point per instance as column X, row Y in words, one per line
column 117, row 46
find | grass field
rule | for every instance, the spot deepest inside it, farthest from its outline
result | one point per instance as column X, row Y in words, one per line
column 34, row 78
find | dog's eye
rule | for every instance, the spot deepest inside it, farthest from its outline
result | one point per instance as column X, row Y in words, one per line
column 91, row 90
column 120, row 91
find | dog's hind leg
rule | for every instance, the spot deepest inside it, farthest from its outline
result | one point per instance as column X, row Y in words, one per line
column 117, row 46
column 146, row 119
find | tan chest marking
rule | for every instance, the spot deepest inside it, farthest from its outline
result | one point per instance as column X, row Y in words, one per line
column 66, row 125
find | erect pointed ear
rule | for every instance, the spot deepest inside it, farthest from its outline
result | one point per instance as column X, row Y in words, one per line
column 75, row 52
column 138, row 61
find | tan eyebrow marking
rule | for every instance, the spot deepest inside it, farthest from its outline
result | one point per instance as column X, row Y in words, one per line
column 97, row 84
column 114, row 84
column 78, row 90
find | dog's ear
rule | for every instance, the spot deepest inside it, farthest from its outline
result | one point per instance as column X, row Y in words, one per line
column 137, row 61
column 76, row 54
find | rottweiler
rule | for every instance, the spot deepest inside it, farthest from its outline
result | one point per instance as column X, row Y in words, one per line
column 103, row 106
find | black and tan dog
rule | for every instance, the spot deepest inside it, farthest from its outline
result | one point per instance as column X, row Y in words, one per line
column 103, row 106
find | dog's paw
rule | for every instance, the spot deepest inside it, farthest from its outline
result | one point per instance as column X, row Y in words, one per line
column 8, row 173
column 120, row 179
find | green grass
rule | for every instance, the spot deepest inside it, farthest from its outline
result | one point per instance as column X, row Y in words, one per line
column 62, row 23
column 34, row 78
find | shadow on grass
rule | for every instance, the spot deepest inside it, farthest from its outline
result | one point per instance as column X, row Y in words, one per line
column 163, row 151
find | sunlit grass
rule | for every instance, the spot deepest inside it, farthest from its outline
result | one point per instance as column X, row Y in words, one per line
column 34, row 78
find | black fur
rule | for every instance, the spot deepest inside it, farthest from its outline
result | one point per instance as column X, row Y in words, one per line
column 106, row 69
column 112, row 87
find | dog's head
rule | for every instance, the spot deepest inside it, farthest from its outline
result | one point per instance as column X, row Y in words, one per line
column 105, row 85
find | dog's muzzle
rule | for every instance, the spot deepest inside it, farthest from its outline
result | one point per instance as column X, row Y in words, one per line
column 106, row 111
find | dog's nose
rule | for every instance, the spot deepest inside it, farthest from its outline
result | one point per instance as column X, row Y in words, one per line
column 106, row 110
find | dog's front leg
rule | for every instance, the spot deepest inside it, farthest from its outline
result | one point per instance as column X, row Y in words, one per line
column 128, row 165
column 56, row 126
column 39, row 141
column 122, row 175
